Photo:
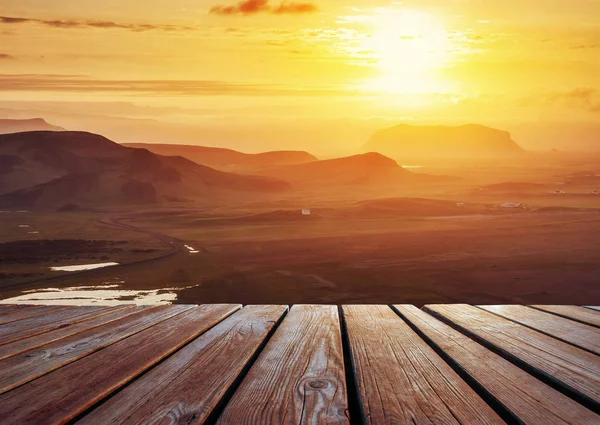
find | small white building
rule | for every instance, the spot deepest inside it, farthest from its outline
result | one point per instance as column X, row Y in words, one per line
column 511, row 205
column 306, row 211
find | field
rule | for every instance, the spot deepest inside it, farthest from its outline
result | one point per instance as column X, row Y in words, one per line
column 446, row 243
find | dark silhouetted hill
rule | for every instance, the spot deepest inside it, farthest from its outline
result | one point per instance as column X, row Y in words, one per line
column 227, row 159
column 54, row 168
column 407, row 141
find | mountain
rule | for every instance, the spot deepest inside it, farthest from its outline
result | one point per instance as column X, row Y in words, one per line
column 227, row 159
column 35, row 124
column 358, row 170
column 45, row 168
column 409, row 142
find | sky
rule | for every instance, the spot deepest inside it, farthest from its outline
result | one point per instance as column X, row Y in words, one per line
column 319, row 75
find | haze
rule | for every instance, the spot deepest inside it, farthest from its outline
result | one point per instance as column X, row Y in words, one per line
column 304, row 151
column 320, row 76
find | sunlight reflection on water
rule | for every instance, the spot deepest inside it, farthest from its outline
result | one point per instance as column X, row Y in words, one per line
column 81, row 267
column 108, row 294
column 191, row 249
column 93, row 295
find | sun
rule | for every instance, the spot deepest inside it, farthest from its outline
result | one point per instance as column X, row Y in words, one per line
column 409, row 48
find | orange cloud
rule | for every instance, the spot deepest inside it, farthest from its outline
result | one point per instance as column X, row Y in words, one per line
column 85, row 84
column 251, row 7
column 91, row 24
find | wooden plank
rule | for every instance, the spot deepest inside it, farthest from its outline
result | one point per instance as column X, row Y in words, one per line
column 186, row 388
column 29, row 311
column 21, row 345
column 579, row 314
column 578, row 334
column 299, row 376
column 62, row 395
column 593, row 307
column 32, row 326
column 26, row 366
column 401, row 380
column 562, row 364
column 524, row 396
column 9, row 308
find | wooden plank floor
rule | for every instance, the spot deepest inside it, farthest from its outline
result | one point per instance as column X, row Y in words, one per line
column 278, row 365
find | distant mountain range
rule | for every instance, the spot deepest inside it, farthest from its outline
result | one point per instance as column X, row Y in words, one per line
column 410, row 142
column 45, row 168
column 55, row 168
column 227, row 159
column 34, row 124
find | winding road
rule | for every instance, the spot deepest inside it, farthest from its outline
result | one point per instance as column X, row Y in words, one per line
column 174, row 247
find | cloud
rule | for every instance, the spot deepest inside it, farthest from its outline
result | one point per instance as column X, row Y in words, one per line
column 6, row 56
column 84, row 84
column 57, row 23
column 295, row 8
column 251, row 7
column 586, row 46
column 584, row 98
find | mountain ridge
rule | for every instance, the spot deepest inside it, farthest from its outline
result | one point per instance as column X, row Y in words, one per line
column 356, row 170
column 225, row 158
column 44, row 161
column 469, row 140
column 8, row 126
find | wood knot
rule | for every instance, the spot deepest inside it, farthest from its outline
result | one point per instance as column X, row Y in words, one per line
column 317, row 384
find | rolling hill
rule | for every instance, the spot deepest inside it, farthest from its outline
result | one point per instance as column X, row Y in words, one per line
column 227, row 159
column 358, row 170
column 8, row 126
column 410, row 142
column 52, row 168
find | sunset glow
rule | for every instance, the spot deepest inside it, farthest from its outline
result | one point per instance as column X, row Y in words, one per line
column 407, row 45
column 332, row 70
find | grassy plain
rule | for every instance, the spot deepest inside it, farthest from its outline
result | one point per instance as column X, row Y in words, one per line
column 444, row 242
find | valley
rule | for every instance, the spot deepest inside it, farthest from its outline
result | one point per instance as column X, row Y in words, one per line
column 288, row 227
column 414, row 250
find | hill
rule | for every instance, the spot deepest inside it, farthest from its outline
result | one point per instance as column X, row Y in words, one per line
column 35, row 124
column 407, row 141
column 53, row 168
column 227, row 159
column 516, row 187
column 358, row 170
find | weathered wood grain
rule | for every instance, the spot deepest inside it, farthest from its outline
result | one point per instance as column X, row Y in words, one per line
column 401, row 380
column 58, row 397
column 29, row 311
column 524, row 396
column 299, row 376
column 24, row 367
column 185, row 388
column 578, row 334
column 8, row 308
column 579, row 314
column 21, row 345
column 32, row 326
column 593, row 307
column 565, row 365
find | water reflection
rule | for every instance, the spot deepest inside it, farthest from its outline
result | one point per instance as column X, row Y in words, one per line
column 191, row 249
column 80, row 267
column 106, row 294
column 94, row 295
